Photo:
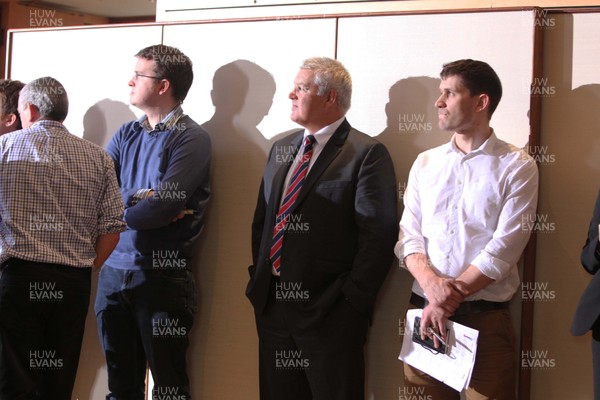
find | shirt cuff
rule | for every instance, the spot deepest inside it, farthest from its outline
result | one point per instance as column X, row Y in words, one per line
column 402, row 250
column 492, row 267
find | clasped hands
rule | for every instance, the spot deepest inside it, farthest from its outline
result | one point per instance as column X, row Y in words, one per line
column 444, row 296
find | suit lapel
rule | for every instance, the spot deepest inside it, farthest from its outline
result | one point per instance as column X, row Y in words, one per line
column 328, row 154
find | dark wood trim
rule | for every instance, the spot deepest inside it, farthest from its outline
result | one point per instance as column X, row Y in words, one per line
column 574, row 10
column 8, row 59
column 529, row 255
column 132, row 20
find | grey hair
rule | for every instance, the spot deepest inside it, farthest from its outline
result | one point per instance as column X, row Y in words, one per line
column 331, row 74
column 49, row 97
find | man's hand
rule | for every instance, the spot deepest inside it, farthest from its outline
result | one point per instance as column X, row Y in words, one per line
column 443, row 293
column 434, row 319
column 183, row 213
column 444, row 297
column 179, row 216
column 439, row 291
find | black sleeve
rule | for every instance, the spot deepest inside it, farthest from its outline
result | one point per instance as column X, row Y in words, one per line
column 590, row 254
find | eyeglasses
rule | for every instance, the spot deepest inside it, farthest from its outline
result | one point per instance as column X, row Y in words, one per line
column 136, row 75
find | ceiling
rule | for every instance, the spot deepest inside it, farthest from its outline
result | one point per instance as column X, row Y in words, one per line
column 104, row 8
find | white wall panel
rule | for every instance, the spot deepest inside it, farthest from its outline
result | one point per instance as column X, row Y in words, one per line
column 257, row 50
column 94, row 65
column 383, row 51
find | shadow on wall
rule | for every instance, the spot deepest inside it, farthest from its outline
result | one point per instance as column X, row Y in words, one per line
column 91, row 361
column 412, row 123
column 412, row 128
column 103, row 119
column 242, row 95
column 100, row 122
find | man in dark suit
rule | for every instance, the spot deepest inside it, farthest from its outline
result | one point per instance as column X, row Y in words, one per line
column 322, row 241
column 588, row 310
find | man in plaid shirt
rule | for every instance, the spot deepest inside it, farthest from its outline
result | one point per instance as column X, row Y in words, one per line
column 61, row 215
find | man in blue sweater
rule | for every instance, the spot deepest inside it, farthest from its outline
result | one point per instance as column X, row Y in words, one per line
column 146, row 297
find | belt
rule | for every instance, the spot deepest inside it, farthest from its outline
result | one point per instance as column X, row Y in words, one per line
column 24, row 263
column 466, row 308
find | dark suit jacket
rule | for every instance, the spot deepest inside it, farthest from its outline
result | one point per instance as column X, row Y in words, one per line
column 345, row 227
column 588, row 309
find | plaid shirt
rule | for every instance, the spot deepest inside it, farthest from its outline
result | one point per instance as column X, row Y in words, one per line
column 58, row 193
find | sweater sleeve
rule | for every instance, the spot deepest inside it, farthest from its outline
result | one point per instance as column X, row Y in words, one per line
column 186, row 167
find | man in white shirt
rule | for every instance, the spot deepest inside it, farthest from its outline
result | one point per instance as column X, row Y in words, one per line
column 462, row 230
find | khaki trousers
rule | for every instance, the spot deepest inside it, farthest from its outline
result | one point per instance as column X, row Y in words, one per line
column 495, row 371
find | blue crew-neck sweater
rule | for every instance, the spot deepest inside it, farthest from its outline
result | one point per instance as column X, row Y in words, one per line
column 175, row 164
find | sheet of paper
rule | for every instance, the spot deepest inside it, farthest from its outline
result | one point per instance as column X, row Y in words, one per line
column 455, row 367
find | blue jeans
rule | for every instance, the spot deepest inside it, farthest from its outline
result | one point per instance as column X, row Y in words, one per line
column 42, row 318
column 144, row 318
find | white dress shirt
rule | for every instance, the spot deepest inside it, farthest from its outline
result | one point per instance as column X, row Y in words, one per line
column 476, row 208
column 321, row 138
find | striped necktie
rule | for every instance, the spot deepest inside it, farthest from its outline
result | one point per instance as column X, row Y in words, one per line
column 291, row 194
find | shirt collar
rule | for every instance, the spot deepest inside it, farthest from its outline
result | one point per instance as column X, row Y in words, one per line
column 47, row 123
column 324, row 134
column 486, row 147
column 166, row 124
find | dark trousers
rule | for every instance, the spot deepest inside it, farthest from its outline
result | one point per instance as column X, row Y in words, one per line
column 144, row 318
column 325, row 362
column 42, row 317
column 596, row 363
column 596, row 357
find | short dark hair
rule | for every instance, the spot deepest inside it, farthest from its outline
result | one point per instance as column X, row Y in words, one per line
column 49, row 97
column 478, row 77
column 9, row 95
column 171, row 64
